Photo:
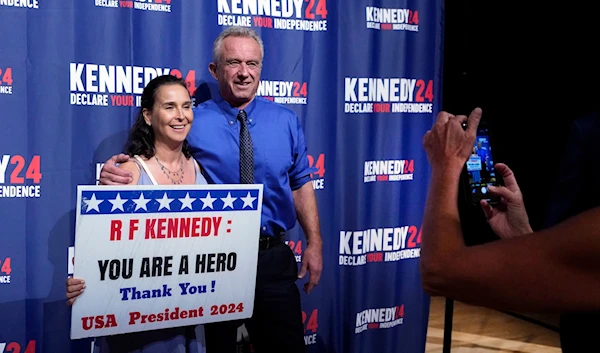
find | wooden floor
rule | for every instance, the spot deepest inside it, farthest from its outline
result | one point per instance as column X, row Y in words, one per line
column 482, row 330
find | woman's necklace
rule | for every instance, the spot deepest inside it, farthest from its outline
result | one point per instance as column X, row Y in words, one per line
column 177, row 176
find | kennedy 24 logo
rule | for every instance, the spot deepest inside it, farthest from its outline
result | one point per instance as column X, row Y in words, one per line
column 15, row 347
column 190, row 78
column 6, row 81
column 319, row 174
column 320, row 9
column 296, row 247
column 32, row 172
column 6, row 76
column 311, row 323
column 320, row 164
column 5, row 271
column 5, row 266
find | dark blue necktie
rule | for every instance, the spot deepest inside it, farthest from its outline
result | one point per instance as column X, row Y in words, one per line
column 246, row 151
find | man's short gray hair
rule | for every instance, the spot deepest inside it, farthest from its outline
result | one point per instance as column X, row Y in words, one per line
column 235, row 32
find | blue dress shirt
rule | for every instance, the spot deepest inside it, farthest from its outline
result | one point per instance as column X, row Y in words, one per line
column 280, row 159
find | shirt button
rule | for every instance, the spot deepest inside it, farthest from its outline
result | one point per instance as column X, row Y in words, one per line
column 264, row 228
column 250, row 120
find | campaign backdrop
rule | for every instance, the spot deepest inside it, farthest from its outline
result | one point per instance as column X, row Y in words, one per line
column 363, row 76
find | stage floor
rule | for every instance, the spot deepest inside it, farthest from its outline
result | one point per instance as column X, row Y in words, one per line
column 482, row 330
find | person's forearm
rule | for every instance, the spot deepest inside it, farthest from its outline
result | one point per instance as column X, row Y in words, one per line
column 441, row 234
column 305, row 202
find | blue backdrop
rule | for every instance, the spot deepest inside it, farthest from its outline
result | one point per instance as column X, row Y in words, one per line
column 364, row 77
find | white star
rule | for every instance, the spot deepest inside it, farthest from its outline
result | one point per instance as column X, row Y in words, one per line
column 165, row 202
column 208, row 201
column 141, row 202
column 92, row 204
column 117, row 203
column 186, row 201
column 228, row 201
column 248, row 200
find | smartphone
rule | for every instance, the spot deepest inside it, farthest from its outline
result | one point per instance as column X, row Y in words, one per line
column 479, row 172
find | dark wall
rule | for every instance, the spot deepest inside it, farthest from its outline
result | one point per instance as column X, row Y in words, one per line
column 532, row 71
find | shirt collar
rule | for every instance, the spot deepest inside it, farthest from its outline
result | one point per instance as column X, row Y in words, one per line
column 232, row 112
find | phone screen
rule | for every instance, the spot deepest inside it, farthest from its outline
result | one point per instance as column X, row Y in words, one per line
column 480, row 168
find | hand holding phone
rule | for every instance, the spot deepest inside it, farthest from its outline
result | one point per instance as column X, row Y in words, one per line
column 479, row 173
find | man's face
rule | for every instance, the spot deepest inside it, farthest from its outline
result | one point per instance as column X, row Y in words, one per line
column 238, row 72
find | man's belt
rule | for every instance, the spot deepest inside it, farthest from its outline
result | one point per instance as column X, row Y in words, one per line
column 267, row 242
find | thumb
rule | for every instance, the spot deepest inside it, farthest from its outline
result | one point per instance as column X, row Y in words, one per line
column 502, row 191
column 487, row 209
column 121, row 158
column 303, row 269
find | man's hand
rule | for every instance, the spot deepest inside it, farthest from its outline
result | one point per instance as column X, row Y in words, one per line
column 113, row 175
column 312, row 260
column 75, row 287
column 448, row 146
column 509, row 218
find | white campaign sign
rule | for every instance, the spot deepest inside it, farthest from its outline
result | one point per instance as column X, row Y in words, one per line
column 162, row 256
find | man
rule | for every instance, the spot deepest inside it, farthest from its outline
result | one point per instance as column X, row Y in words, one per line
column 554, row 270
column 482, row 152
column 238, row 138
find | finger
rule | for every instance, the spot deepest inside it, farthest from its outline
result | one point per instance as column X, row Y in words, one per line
column 117, row 178
column 503, row 192
column 74, row 294
column 442, row 117
column 427, row 140
column 70, row 301
column 308, row 287
column 303, row 269
column 75, row 288
column 113, row 175
column 73, row 281
column 461, row 118
column 509, row 177
column 105, row 181
column 488, row 210
column 473, row 122
column 111, row 161
column 113, row 169
column 121, row 158
column 315, row 276
column 426, row 136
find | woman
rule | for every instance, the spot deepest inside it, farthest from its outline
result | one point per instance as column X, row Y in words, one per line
column 161, row 155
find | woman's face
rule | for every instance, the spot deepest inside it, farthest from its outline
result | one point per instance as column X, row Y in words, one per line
column 171, row 115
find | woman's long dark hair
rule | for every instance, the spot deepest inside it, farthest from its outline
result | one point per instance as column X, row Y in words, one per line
column 141, row 135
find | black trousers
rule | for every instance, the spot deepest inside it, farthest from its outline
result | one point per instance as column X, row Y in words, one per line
column 276, row 322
